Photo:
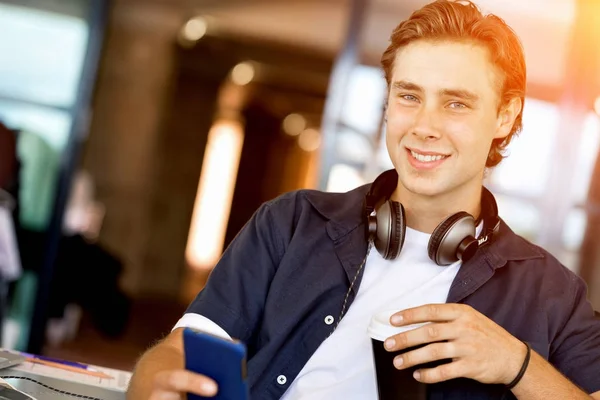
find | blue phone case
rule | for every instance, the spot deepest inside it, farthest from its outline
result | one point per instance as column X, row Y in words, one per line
column 220, row 359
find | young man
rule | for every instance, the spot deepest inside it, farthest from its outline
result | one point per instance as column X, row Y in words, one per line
column 296, row 287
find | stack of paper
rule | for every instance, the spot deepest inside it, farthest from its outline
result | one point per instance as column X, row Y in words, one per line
column 92, row 375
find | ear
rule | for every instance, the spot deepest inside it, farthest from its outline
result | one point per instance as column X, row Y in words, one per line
column 507, row 116
column 386, row 108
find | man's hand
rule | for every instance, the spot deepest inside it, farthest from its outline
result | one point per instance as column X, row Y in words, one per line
column 160, row 373
column 175, row 384
column 478, row 347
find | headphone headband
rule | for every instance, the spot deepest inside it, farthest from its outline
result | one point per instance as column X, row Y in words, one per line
column 381, row 190
column 489, row 213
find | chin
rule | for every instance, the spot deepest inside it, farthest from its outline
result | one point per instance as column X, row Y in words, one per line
column 422, row 186
column 425, row 183
column 427, row 189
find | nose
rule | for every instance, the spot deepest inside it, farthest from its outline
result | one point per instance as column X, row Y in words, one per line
column 425, row 124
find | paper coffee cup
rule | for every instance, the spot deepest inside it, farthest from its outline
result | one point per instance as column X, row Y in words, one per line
column 392, row 384
column 380, row 327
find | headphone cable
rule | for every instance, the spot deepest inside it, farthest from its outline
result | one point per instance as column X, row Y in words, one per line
column 364, row 261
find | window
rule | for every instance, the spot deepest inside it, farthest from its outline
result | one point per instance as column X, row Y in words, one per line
column 525, row 170
column 41, row 60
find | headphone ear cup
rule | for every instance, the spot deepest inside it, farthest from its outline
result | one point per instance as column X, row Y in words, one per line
column 447, row 237
column 399, row 231
column 391, row 229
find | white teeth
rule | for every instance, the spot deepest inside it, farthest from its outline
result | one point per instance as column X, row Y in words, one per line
column 426, row 158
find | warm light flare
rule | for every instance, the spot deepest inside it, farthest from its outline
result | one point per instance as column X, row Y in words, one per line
column 215, row 192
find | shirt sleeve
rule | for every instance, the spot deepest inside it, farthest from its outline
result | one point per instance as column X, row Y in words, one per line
column 201, row 323
column 236, row 290
column 576, row 348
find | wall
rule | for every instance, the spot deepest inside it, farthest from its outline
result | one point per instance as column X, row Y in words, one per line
column 134, row 82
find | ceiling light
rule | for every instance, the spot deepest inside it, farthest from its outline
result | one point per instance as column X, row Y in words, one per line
column 242, row 74
column 597, row 105
column 309, row 140
column 294, row 124
column 195, row 29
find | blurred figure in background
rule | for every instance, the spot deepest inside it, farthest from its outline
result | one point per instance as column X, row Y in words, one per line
column 10, row 260
column 8, row 159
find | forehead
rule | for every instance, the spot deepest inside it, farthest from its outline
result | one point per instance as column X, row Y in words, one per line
column 447, row 65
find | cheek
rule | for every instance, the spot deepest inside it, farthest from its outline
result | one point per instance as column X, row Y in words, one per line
column 395, row 133
column 475, row 139
column 398, row 123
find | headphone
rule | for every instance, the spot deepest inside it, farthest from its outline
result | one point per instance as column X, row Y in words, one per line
column 452, row 240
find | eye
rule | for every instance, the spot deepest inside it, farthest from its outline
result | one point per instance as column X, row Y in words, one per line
column 408, row 97
column 457, row 105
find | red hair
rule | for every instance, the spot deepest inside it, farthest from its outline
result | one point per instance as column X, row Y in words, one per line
column 463, row 21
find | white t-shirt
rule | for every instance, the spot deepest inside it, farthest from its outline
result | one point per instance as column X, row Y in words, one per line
column 342, row 367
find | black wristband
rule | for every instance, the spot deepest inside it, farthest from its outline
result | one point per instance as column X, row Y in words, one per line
column 523, row 368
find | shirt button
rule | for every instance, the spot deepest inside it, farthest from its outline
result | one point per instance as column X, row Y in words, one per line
column 281, row 379
column 329, row 320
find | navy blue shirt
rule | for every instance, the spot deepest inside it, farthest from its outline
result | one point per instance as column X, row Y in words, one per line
column 287, row 272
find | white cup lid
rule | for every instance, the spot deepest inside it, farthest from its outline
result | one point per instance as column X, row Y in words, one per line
column 380, row 327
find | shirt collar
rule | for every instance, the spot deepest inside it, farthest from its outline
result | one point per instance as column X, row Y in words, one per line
column 344, row 212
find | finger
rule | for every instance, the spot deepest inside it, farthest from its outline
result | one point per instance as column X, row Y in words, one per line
column 444, row 372
column 432, row 352
column 162, row 395
column 428, row 313
column 183, row 381
column 434, row 332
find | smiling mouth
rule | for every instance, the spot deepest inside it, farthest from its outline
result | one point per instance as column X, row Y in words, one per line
column 425, row 158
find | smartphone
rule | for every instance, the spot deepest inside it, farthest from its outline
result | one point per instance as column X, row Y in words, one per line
column 220, row 359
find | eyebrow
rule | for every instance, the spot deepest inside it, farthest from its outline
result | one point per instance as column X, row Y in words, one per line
column 405, row 85
column 460, row 93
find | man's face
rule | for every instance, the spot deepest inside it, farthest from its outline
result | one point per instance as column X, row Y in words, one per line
column 442, row 116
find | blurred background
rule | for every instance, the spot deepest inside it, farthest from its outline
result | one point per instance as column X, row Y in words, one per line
column 138, row 136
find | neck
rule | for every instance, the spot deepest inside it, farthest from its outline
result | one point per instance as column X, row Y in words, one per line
column 424, row 213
